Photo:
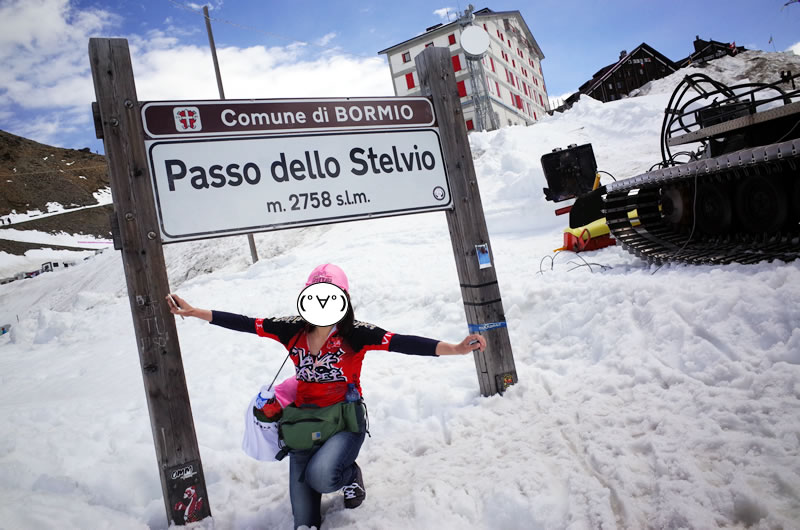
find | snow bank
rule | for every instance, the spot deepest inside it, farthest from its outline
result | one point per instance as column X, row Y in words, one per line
column 666, row 400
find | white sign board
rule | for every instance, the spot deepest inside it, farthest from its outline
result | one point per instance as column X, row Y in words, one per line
column 219, row 186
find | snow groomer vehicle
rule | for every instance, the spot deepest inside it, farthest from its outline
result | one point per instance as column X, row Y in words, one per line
column 727, row 188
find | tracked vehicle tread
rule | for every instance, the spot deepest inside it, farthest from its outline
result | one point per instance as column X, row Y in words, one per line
column 635, row 216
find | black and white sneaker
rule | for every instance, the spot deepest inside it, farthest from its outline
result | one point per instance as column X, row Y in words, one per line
column 354, row 494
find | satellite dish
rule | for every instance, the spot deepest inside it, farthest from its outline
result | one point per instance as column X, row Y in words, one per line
column 475, row 42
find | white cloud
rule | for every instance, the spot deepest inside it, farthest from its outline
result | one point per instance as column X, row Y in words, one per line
column 44, row 61
column 199, row 7
column 44, row 69
column 326, row 39
column 211, row 5
column 795, row 48
column 446, row 13
column 186, row 72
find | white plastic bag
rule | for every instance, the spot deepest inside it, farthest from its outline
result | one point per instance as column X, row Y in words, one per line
column 260, row 438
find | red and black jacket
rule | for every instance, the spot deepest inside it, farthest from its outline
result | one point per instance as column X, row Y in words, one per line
column 323, row 378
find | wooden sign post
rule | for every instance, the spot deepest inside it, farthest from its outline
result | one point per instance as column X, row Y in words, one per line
column 468, row 232
column 142, row 170
column 181, row 471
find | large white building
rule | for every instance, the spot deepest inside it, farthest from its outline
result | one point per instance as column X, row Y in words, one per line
column 505, row 87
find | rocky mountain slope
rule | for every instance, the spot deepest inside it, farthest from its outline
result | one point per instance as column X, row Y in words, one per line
column 34, row 175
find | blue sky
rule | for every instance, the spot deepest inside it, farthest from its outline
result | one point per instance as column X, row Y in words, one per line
column 311, row 48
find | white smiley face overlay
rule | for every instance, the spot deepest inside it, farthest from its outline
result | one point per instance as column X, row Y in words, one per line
column 322, row 304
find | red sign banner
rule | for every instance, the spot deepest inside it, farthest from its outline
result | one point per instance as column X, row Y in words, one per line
column 187, row 119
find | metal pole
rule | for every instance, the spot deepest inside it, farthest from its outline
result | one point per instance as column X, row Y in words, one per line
column 250, row 239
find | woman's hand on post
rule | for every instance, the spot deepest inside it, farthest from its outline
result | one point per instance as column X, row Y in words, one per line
column 470, row 343
column 185, row 310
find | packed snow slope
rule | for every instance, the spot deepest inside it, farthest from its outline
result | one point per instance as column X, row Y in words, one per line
column 646, row 399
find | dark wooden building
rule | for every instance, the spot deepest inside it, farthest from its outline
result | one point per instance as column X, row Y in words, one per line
column 644, row 64
column 708, row 50
column 631, row 71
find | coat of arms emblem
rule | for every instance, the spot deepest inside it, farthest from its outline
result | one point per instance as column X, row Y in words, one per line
column 187, row 119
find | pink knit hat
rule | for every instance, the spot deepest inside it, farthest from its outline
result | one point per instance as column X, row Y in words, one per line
column 329, row 273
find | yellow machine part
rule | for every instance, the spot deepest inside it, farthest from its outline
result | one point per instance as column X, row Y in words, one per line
column 594, row 229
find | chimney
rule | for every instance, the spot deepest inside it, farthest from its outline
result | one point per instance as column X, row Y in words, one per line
column 622, row 54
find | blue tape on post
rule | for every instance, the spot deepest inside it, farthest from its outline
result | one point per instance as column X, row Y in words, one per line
column 477, row 328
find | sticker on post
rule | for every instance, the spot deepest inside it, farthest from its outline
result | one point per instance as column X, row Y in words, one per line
column 187, row 495
column 504, row 381
column 480, row 328
column 482, row 251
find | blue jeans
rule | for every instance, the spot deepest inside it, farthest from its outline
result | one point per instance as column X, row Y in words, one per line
column 323, row 470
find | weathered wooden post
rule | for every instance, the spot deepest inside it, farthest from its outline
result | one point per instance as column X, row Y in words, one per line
column 181, row 471
column 468, row 232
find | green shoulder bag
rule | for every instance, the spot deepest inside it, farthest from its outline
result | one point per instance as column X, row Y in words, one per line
column 308, row 426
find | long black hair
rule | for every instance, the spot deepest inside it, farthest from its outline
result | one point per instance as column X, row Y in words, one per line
column 345, row 325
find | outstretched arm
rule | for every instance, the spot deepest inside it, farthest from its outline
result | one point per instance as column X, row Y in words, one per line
column 280, row 329
column 471, row 342
column 185, row 310
column 413, row 345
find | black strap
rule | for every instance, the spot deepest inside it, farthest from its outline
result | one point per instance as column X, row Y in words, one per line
column 297, row 337
column 366, row 417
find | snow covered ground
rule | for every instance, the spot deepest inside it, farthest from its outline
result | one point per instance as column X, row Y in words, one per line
column 102, row 196
column 33, row 259
column 666, row 400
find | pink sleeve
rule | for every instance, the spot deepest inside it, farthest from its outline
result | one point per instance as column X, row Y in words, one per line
column 286, row 392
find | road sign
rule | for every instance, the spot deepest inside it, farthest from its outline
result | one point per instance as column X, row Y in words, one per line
column 222, row 186
column 187, row 119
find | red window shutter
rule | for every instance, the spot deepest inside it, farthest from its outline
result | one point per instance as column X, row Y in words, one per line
column 462, row 89
column 513, row 63
column 499, row 94
column 451, row 38
column 519, row 102
column 470, row 125
column 534, row 115
column 541, row 100
column 491, row 60
column 485, row 29
column 456, row 63
column 410, row 80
